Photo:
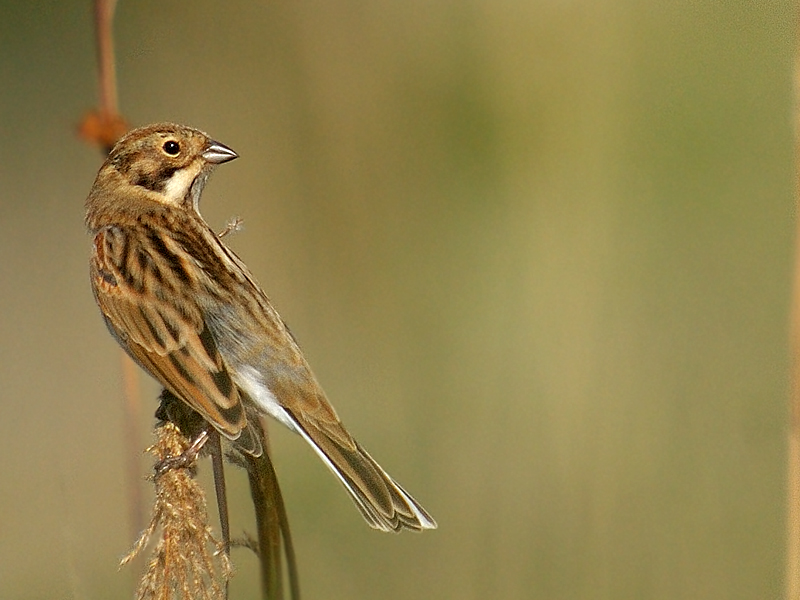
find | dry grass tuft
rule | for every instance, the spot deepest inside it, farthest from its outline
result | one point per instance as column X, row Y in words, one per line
column 187, row 561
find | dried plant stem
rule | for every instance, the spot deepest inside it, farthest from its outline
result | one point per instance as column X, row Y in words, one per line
column 215, row 446
column 272, row 525
column 104, row 126
column 182, row 562
column 104, row 16
column 218, row 467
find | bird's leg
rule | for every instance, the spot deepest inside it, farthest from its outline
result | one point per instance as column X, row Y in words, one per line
column 186, row 458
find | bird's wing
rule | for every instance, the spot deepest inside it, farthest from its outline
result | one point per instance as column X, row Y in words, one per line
column 162, row 328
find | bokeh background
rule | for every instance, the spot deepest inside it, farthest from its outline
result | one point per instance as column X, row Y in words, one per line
column 538, row 253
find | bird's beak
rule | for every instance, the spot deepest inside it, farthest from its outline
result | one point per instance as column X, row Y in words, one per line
column 217, row 153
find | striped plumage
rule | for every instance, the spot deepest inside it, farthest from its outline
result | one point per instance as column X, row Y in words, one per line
column 187, row 309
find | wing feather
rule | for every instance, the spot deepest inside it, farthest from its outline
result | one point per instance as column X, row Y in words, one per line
column 162, row 328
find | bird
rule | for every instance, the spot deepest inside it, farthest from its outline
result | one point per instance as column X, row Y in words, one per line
column 186, row 309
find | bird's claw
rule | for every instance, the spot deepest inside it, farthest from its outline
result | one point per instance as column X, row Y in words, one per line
column 185, row 459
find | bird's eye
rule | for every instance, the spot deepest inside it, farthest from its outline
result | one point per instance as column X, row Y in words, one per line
column 171, row 147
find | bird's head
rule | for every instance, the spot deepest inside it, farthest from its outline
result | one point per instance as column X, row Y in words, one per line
column 163, row 163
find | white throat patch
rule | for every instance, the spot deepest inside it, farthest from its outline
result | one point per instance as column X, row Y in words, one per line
column 178, row 185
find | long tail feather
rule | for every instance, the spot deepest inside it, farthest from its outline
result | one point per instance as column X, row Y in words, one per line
column 382, row 501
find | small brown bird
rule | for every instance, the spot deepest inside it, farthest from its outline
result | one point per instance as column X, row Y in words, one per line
column 188, row 310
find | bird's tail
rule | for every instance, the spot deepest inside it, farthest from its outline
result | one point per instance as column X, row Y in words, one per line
column 382, row 501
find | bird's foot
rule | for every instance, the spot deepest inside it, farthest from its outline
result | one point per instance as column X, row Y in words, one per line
column 185, row 459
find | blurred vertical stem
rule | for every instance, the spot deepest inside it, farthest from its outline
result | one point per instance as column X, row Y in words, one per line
column 104, row 17
column 133, row 420
column 272, row 522
column 105, row 127
column 793, row 471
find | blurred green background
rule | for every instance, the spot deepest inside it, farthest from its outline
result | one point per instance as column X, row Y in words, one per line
column 538, row 253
